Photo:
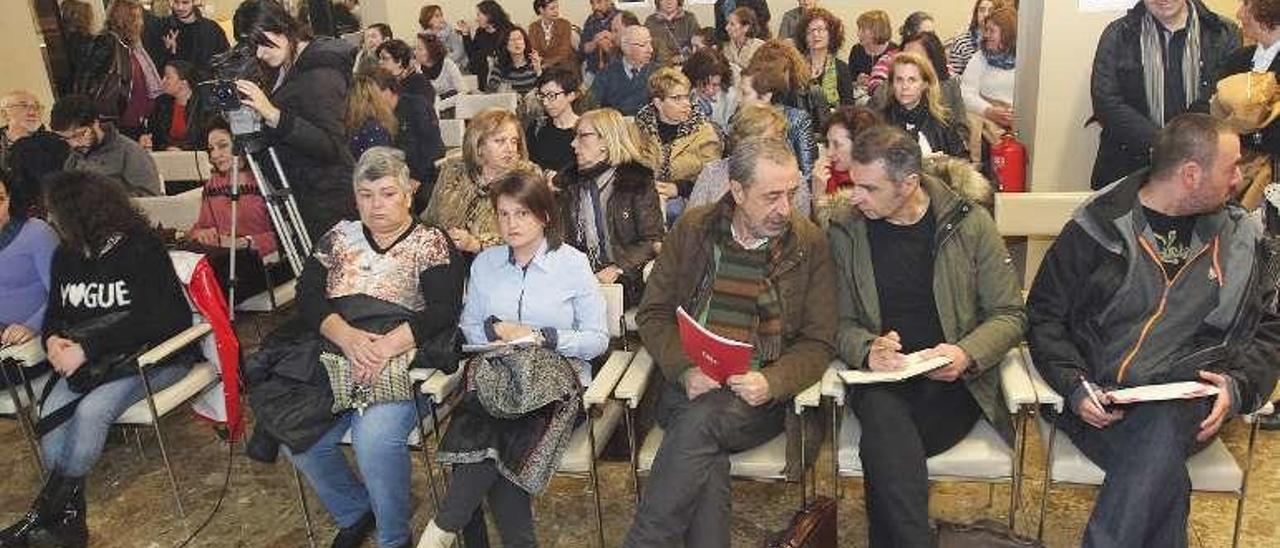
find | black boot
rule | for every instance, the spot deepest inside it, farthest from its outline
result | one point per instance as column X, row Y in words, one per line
column 353, row 536
column 18, row 535
column 65, row 527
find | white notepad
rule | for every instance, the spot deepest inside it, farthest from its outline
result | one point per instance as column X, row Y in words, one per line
column 1159, row 392
column 917, row 364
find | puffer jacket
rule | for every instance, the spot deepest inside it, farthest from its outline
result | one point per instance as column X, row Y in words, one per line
column 679, row 161
column 1096, row 293
column 979, row 300
column 1119, row 95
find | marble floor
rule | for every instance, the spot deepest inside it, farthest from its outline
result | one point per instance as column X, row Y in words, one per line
column 130, row 504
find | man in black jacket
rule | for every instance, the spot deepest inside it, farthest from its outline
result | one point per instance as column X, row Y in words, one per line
column 1145, row 72
column 418, row 134
column 189, row 36
column 1156, row 279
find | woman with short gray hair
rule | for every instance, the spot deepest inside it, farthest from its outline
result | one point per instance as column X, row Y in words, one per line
column 377, row 291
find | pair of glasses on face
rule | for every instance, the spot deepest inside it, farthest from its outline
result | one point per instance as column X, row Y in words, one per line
column 79, row 135
column 679, row 98
column 550, row 95
column 24, row 106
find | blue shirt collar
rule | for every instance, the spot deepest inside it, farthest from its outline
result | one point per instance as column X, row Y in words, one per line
column 539, row 256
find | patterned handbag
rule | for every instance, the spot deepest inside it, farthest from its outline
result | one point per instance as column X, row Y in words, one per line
column 391, row 385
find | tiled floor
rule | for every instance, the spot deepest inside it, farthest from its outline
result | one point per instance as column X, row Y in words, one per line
column 130, row 504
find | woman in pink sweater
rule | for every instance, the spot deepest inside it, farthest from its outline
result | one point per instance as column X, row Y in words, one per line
column 213, row 227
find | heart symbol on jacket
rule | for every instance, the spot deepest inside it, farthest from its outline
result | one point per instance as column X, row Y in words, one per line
column 73, row 294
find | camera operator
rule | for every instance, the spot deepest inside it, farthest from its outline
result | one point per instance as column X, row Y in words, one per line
column 303, row 115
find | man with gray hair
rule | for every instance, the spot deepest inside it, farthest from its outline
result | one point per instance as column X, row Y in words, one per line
column 749, row 269
column 919, row 268
column 623, row 85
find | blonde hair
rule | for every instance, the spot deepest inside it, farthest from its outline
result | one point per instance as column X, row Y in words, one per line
column 615, row 133
column 757, row 121
column 933, row 90
column 666, row 79
column 365, row 101
column 876, row 21
column 481, row 127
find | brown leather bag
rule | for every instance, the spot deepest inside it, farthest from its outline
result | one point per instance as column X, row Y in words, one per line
column 812, row 527
column 981, row 534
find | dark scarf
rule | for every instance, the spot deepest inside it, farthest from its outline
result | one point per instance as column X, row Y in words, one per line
column 744, row 304
column 913, row 120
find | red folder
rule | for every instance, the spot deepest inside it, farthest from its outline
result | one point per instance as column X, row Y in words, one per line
column 717, row 357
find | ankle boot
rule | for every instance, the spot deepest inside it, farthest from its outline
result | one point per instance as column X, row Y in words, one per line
column 65, row 526
column 18, row 535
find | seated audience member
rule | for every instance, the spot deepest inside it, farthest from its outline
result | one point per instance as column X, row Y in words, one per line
column 396, row 57
column 26, row 250
column 553, row 37
column 987, row 84
column 369, row 118
column 33, row 157
column 890, row 238
column 376, row 291
column 417, row 134
column 367, row 58
column 492, row 146
column 869, row 59
column 607, row 203
column 713, row 91
column 535, row 287
column 22, row 116
column 549, row 136
column 765, row 83
column 439, row 68
column 672, row 28
column 674, row 139
column 597, row 35
column 622, row 85
column 787, row 64
column 516, row 66
column 1130, row 254
column 789, row 30
column 114, row 293
column 1128, row 102
column 961, row 47
column 752, row 121
column 705, row 38
column 1260, row 20
column 722, row 263
column 929, row 47
column 175, row 118
column 433, row 22
column 486, row 40
column 96, row 146
column 213, row 226
column 824, row 35
column 915, row 23
column 916, row 106
column 724, row 8
column 832, row 183
column 345, row 18
column 744, row 37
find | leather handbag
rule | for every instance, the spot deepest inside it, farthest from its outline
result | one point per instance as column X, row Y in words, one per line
column 981, row 534
column 814, row 526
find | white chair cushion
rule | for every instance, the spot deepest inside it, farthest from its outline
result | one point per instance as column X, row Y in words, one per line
column 577, row 457
column 630, row 320
column 37, row 386
column 201, row 376
column 981, row 455
column 765, row 461
column 1212, row 469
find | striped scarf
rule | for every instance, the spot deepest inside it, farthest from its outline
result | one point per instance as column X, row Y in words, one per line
column 744, row 305
column 1153, row 60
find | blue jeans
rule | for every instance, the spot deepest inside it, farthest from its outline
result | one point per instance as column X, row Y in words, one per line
column 1146, row 496
column 74, row 446
column 380, row 438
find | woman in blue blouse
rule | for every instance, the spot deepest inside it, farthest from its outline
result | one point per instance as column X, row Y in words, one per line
column 26, row 251
column 531, row 287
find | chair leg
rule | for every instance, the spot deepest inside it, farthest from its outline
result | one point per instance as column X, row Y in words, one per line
column 164, row 454
column 137, row 442
column 426, row 457
column 302, row 501
column 804, row 490
column 595, row 478
column 1244, row 484
column 23, row 415
column 835, row 452
column 1048, row 478
column 635, row 464
column 1015, row 485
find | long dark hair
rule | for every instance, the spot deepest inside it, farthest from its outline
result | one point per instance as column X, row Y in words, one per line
column 937, row 53
column 495, row 14
column 254, row 18
column 505, row 62
column 88, row 209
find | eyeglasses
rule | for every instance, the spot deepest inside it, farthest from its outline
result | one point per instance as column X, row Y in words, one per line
column 820, row 29
column 80, row 134
column 24, row 106
column 550, row 95
column 679, row 98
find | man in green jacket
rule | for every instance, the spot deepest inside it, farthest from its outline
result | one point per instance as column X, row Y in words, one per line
column 749, row 269
column 919, row 269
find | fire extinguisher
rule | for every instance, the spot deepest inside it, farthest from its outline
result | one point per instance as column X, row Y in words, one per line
column 1009, row 163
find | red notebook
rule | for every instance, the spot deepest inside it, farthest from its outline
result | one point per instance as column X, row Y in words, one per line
column 717, row 357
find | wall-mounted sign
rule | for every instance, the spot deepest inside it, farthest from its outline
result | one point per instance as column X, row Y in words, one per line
column 1106, row 5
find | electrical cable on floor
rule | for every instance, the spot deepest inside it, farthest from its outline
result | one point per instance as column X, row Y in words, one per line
column 226, row 482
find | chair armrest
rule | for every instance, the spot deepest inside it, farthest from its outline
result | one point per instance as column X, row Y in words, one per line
column 636, row 380
column 605, row 380
column 441, row 386
column 174, row 344
column 28, row 353
column 1266, row 410
column 1045, row 394
column 1015, row 383
column 420, row 374
column 809, row 397
column 832, row 386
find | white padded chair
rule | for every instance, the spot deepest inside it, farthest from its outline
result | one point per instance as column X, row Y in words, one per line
column 470, row 84
column 178, row 212
column 1212, row 470
column 182, row 165
column 468, row 106
column 451, row 132
column 982, row 456
column 22, row 391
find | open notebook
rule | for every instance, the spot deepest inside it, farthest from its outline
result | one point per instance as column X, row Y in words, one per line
column 1159, row 392
column 917, row 364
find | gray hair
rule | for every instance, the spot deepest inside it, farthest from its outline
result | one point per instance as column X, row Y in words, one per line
column 747, row 155
column 379, row 162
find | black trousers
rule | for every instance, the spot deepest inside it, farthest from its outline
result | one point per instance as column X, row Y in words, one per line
column 903, row 424
column 512, row 507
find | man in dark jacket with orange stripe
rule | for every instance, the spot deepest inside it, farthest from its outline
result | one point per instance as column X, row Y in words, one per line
column 1156, row 279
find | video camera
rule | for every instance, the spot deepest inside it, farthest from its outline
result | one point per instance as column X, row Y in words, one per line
column 220, row 93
